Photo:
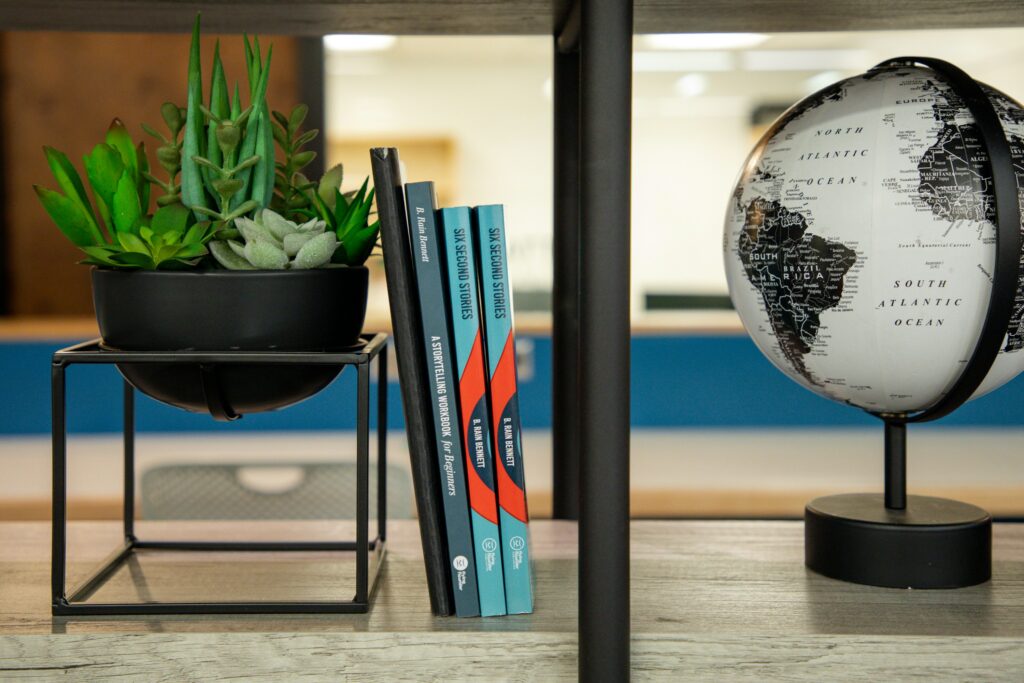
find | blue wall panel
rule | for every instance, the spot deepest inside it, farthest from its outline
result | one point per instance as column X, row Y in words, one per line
column 678, row 381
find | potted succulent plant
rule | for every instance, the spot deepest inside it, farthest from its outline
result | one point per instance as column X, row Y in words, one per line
column 242, row 251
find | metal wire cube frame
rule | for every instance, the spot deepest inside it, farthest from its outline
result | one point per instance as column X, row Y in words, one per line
column 74, row 601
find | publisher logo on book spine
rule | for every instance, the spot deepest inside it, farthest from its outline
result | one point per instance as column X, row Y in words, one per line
column 460, row 563
column 516, row 543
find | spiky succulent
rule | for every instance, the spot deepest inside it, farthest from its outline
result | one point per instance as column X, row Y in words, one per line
column 168, row 154
column 123, row 235
column 347, row 215
column 272, row 242
column 290, row 185
column 227, row 163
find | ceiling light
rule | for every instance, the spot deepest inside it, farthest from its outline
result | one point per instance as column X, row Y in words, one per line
column 350, row 42
column 692, row 85
column 804, row 60
column 703, row 41
column 683, row 61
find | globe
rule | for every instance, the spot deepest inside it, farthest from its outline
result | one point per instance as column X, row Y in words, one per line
column 860, row 241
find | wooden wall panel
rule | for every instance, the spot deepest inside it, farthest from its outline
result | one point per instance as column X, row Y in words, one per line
column 62, row 90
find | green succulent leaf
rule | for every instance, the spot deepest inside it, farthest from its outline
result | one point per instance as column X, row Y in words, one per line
column 238, row 248
column 69, row 216
column 280, row 134
column 191, row 251
column 172, row 116
column 120, row 140
column 263, row 173
column 296, row 119
column 303, row 159
column 192, row 188
column 150, row 130
column 206, row 163
column 70, row 182
column 226, row 137
column 265, row 255
column 341, row 208
column 242, row 209
column 132, row 243
column 316, row 252
column 197, row 234
column 359, row 245
column 255, row 232
column 103, row 256
column 134, row 259
column 306, row 138
column 356, row 215
column 257, row 53
column 276, row 224
column 330, row 183
column 142, row 163
column 104, row 168
column 126, row 210
column 227, row 187
column 252, row 133
column 173, row 217
column 246, row 163
column 302, row 182
column 295, row 241
column 169, row 157
column 249, row 62
column 202, row 210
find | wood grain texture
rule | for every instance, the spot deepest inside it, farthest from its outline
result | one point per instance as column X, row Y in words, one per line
column 669, row 503
column 63, row 90
column 386, row 657
column 726, row 601
column 412, row 17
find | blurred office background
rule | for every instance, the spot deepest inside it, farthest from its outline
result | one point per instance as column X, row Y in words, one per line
column 718, row 431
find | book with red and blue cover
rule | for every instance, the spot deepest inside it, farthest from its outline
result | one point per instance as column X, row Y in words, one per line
column 428, row 259
column 467, row 338
column 500, row 352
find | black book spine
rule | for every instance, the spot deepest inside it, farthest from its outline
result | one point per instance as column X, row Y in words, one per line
column 442, row 378
column 408, row 334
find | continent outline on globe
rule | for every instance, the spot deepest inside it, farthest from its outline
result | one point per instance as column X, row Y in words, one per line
column 777, row 231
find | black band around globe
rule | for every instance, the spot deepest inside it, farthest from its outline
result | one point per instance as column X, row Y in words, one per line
column 1006, row 273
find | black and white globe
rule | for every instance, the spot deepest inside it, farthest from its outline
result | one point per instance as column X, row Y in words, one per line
column 860, row 242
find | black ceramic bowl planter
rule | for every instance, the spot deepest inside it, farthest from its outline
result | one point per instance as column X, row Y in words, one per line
column 321, row 309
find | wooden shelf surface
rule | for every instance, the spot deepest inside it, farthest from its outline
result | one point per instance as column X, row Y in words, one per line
column 725, row 601
column 468, row 17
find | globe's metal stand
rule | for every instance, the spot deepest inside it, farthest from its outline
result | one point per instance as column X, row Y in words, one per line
column 919, row 541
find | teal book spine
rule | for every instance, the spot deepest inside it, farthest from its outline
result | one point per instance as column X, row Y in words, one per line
column 503, row 393
column 467, row 336
column 428, row 255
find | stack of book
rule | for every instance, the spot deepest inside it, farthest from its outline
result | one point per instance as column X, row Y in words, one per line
column 451, row 310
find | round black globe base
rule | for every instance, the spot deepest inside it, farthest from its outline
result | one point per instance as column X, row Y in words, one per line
column 933, row 543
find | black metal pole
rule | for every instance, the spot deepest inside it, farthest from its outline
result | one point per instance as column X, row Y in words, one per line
column 382, row 442
column 129, row 462
column 59, row 518
column 565, row 338
column 606, row 41
column 362, row 481
column 895, row 465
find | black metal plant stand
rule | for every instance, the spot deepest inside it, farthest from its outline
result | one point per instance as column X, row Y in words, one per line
column 74, row 601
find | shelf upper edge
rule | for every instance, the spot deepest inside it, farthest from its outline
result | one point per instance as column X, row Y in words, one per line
column 513, row 17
